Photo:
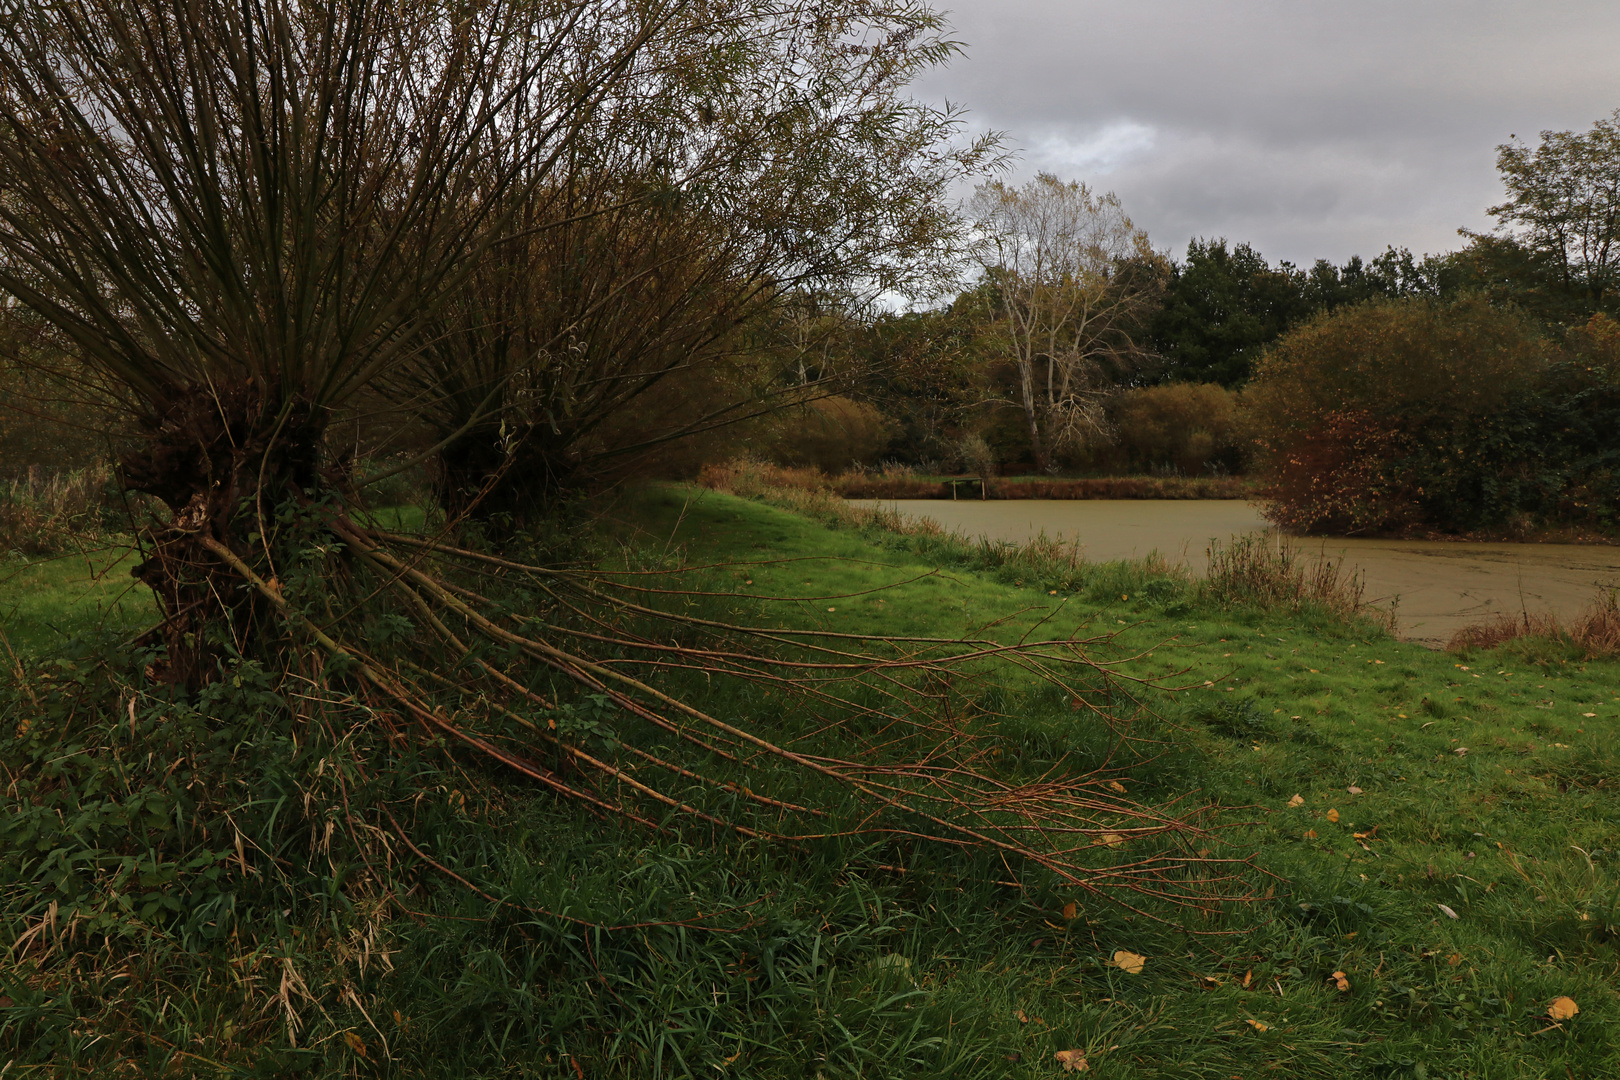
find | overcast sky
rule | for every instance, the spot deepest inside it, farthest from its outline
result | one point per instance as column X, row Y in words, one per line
column 1310, row 130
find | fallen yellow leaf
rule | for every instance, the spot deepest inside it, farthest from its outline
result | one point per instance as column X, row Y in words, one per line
column 1128, row 962
column 1333, row 816
column 1073, row 1060
column 1022, row 1018
column 1112, row 839
column 358, row 1045
column 1340, row 980
column 1115, row 785
column 1310, row 834
column 1297, row 800
column 1449, row 913
column 1352, row 789
column 1562, row 1008
column 1247, row 977
column 1069, row 909
column 1257, row 1025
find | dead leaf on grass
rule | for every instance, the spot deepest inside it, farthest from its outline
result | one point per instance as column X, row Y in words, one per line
column 1310, row 834
column 1073, row 1060
column 1297, row 800
column 1352, row 789
column 1449, row 913
column 1257, row 1025
column 1333, row 816
column 1562, row 1008
column 1115, row 785
column 1341, row 981
column 1070, row 909
column 1128, row 962
column 1112, row 839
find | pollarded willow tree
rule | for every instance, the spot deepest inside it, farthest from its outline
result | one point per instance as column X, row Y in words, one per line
column 243, row 216
column 239, row 215
column 1075, row 281
column 784, row 160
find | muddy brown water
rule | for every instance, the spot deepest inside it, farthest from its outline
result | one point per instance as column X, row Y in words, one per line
column 1436, row 587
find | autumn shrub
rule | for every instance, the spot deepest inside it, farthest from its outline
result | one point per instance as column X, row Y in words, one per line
column 832, row 434
column 1192, row 428
column 1455, row 416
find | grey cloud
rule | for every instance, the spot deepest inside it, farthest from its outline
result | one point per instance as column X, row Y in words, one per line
column 1309, row 129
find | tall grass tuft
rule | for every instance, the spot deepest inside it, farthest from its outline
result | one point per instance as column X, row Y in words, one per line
column 1594, row 633
column 1264, row 571
column 47, row 512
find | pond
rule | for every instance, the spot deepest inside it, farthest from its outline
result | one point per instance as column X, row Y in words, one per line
column 1436, row 587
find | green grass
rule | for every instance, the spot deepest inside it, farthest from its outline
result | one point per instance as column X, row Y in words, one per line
column 961, row 965
column 44, row 601
column 1517, row 835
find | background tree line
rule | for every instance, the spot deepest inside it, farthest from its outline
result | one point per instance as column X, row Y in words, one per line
column 1081, row 348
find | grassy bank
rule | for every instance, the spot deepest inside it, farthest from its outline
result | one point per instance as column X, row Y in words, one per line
column 1384, row 788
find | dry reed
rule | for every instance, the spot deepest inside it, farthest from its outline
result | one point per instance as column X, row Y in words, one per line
column 1595, row 631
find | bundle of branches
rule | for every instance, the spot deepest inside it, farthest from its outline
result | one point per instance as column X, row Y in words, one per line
column 564, row 676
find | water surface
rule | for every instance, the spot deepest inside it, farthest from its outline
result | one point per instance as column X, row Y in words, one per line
column 1436, row 587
